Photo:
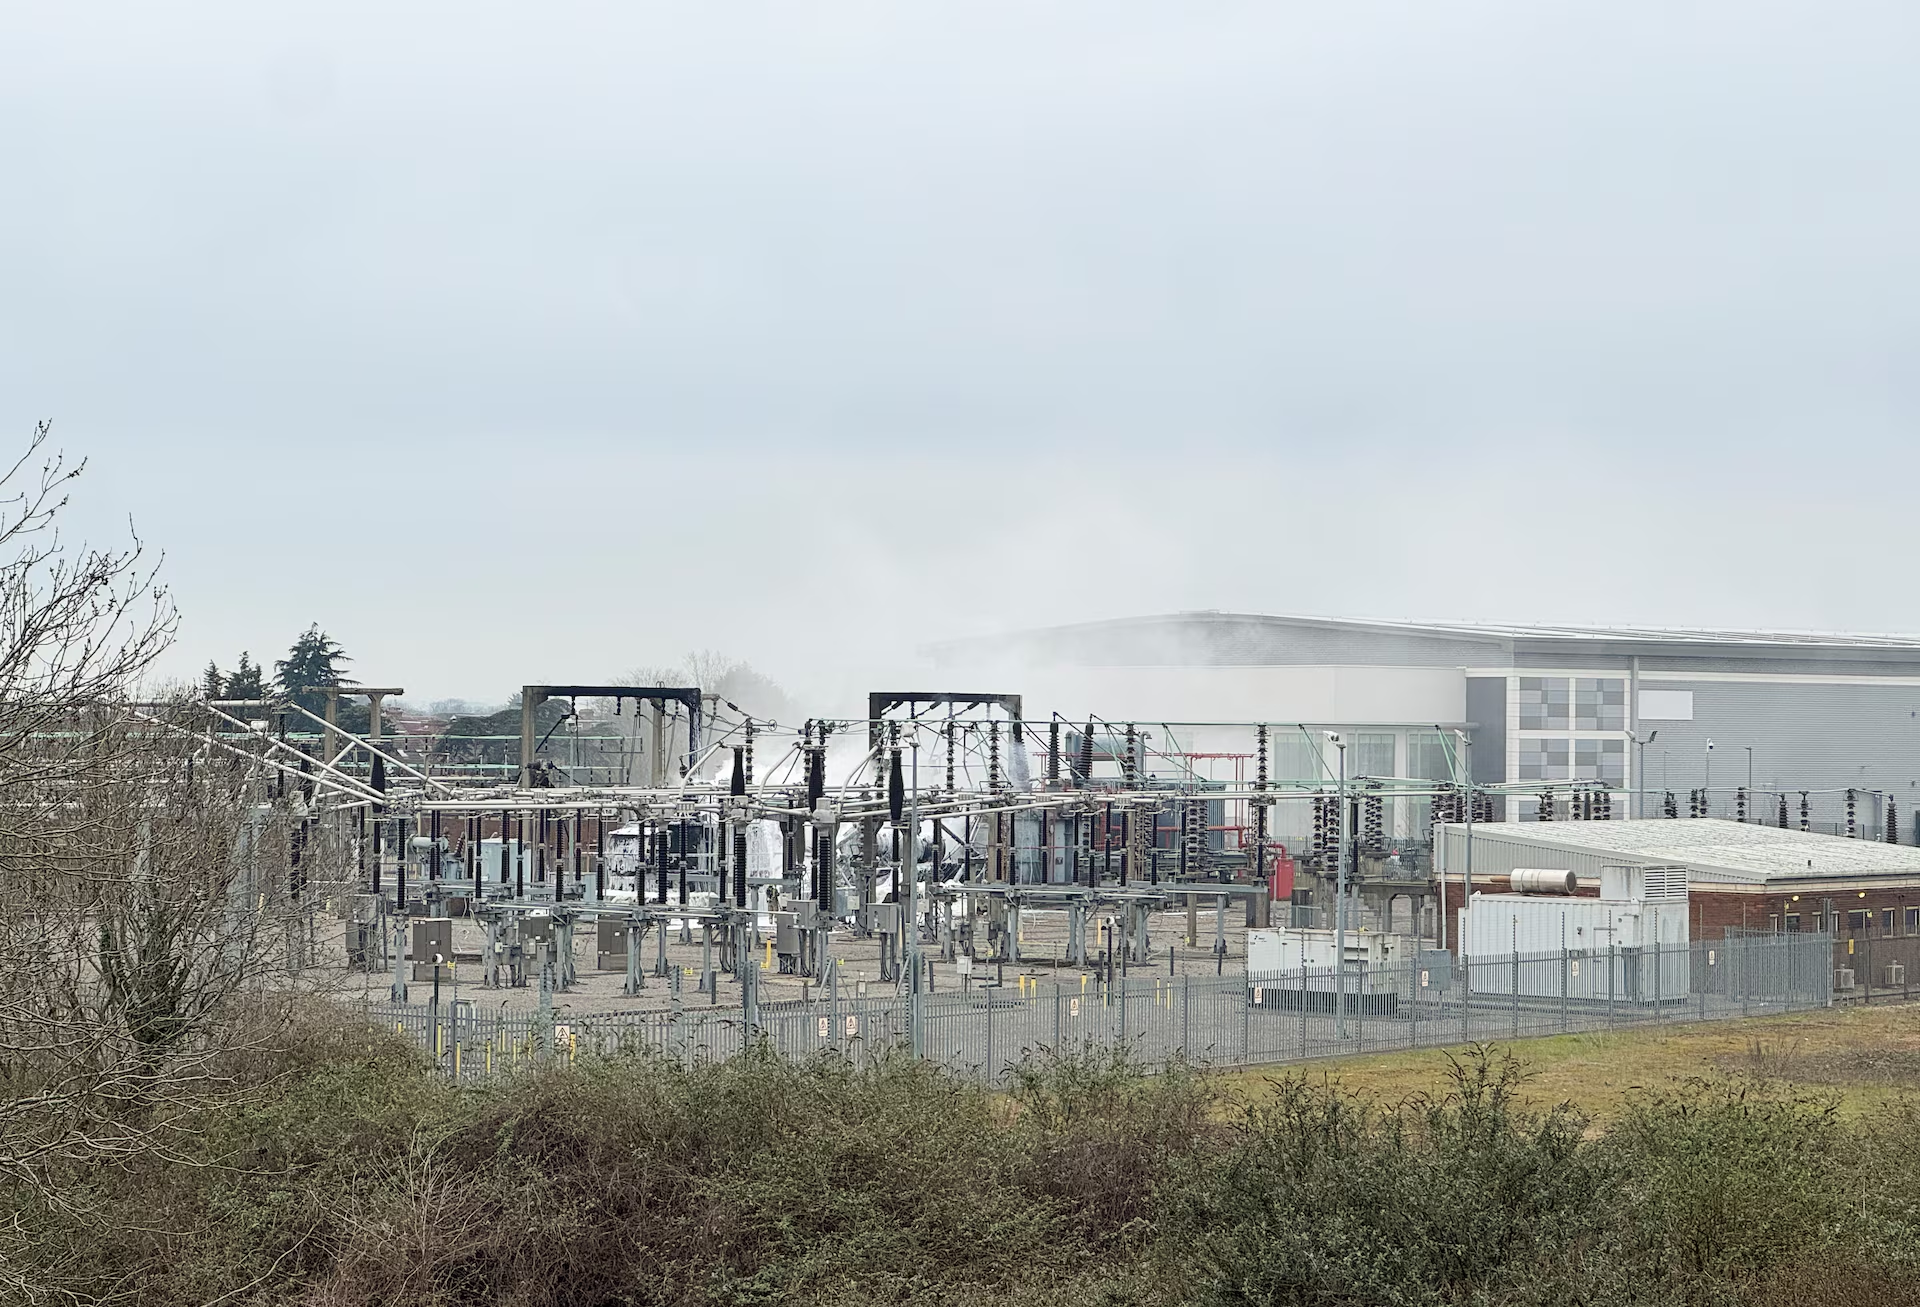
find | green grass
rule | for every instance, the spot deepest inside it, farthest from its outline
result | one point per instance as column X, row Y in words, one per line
column 1866, row 1058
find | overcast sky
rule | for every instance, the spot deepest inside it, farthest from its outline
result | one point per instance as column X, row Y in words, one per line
column 535, row 342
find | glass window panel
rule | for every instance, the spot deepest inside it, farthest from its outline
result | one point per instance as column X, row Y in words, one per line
column 1296, row 758
column 1430, row 755
column 1372, row 755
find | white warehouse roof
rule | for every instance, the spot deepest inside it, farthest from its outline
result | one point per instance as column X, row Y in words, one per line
column 1713, row 849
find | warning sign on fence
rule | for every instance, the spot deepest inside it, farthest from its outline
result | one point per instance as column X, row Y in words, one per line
column 1073, row 1007
column 853, row 1025
column 823, row 1027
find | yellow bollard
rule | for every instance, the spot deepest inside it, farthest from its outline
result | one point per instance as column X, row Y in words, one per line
column 456, row 1062
column 768, row 964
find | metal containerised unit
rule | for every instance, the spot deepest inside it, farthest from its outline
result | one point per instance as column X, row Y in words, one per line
column 1295, row 968
column 1630, row 945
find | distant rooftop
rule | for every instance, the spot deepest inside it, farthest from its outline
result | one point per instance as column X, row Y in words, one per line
column 1217, row 637
column 1634, row 634
column 1721, row 850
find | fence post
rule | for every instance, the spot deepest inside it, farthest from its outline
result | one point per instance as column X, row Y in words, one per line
column 1246, row 1021
column 1413, row 993
column 990, row 1076
column 1186, row 1016
column 1466, row 991
column 1613, row 963
column 1360, row 1005
column 1565, row 959
column 1305, row 1002
column 1515, row 996
column 1706, row 974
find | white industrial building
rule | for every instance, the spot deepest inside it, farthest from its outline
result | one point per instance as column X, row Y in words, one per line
column 1826, row 725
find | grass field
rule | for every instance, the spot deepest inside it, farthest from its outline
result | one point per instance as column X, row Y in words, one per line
column 1867, row 1057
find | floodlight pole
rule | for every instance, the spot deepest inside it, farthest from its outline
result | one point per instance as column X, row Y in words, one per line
column 1340, row 902
column 910, row 859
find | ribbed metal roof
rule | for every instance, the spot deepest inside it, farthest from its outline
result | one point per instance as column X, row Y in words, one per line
column 1720, row 850
column 1678, row 635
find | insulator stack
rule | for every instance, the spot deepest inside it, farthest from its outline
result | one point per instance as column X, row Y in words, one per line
column 952, row 787
column 1893, row 824
column 1260, row 758
column 1086, row 756
column 1447, row 807
column 1543, row 809
column 749, row 751
column 1130, row 762
column 1671, row 806
column 1604, row 805
column 1853, row 824
column 1483, row 807
column 1373, row 833
column 1740, row 805
column 1693, row 804
column 1806, row 812
column 1326, row 829
column 994, row 784
column 1197, row 838
column 1053, row 752
column 1783, row 812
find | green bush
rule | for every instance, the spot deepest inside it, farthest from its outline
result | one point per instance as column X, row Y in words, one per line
column 355, row 1175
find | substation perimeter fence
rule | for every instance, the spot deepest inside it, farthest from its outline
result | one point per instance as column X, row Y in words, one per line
column 1227, row 1021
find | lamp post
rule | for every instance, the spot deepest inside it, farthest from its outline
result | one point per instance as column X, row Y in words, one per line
column 1750, row 800
column 1640, row 771
column 1706, row 794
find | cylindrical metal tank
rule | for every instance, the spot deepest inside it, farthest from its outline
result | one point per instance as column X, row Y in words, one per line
column 1540, row 880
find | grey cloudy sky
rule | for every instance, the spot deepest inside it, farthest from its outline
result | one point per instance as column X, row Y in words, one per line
column 526, row 342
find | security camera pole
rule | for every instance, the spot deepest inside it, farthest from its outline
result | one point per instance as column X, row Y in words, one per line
column 1706, row 795
column 1340, row 902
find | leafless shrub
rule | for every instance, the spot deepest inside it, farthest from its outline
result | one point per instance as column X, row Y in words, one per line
column 147, row 881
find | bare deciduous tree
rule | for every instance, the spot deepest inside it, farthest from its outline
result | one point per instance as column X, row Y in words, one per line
column 148, row 879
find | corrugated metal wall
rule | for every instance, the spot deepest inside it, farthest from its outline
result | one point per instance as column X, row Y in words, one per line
column 1804, row 737
column 1499, row 848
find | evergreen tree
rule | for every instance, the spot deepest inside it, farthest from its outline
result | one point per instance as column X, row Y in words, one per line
column 210, row 683
column 247, row 681
column 314, row 662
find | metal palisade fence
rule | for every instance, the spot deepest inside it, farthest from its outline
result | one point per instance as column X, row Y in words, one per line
column 1218, row 1021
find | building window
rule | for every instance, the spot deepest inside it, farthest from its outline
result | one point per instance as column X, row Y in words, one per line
column 1546, row 703
column 1546, row 760
column 1297, row 759
column 1372, row 756
column 1793, row 921
column 1886, row 921
column 1599, row 704
column 1857, row 919
column 1913, row 921
column 1599, row 760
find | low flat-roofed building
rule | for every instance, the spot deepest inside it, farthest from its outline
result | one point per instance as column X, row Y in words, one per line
column 1739, row 875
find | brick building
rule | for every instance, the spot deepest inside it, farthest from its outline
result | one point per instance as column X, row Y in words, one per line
column 1866, row 893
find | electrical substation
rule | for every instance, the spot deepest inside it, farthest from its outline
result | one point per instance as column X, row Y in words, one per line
column 953, row 875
